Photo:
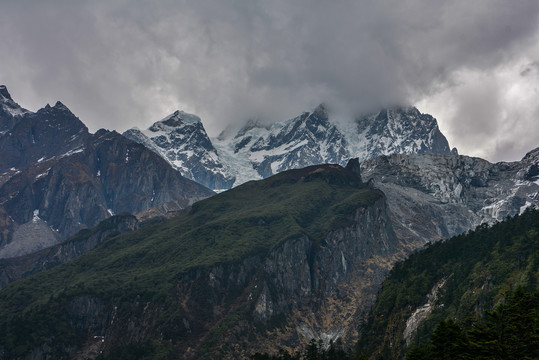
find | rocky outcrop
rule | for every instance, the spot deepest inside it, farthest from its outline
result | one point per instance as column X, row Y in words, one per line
column 17, row 267
column 434, row 197
column 422, row 312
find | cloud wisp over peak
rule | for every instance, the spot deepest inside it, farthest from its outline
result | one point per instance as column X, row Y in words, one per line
column 123, row 63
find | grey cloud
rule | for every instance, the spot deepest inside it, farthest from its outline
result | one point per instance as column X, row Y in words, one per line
column 531, row 69
column 124, row 63
column 477, row 111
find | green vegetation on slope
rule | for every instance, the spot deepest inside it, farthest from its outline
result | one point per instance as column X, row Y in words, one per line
column 479, row 268
column 250, row 219
column 510, row 332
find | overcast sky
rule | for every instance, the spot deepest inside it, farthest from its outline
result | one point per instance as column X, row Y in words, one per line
column 474, row 65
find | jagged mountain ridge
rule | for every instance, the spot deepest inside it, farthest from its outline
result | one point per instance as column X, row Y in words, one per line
column 258, row 151
column 305, row 140
column 57, row 178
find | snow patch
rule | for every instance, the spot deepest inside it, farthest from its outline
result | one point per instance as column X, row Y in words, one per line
column 43, row 174
column 14, row 110
column 524, row 207
column 237, row 164
column 72, row 152
column 35, row 217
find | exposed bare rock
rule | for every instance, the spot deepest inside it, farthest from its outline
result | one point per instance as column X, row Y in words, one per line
column 16, row 267
column 433, row 197
column 53, row 167
column 422, row 312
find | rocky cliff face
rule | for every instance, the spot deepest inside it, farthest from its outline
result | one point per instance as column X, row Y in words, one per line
column 301, row 290
column 433, row 197
column 56, row 179
column 324, row 288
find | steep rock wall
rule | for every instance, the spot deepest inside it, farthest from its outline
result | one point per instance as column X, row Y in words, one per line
column 300, row 290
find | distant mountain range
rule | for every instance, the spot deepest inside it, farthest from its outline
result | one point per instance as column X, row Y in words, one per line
column 433, row 192
column 257, row 151
column 56, row 178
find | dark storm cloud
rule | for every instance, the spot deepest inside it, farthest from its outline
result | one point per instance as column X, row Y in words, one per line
column 117, row 64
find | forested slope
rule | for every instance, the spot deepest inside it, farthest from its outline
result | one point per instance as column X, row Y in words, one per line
column 455, row 280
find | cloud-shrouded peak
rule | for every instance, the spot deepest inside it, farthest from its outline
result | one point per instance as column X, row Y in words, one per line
column 177, row 119
column 120, row 64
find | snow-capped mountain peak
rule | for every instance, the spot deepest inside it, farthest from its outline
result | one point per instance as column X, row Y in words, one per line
column 8, row 107
column 176, row 120
column 398, row 130
column 259, row 150
column 181, row 139
column 307, row 139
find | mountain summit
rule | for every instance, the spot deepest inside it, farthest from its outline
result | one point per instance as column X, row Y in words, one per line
column 318, row 137
column 10, row 111
column 181, row 139
column 259, row 150
column 400, row 130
